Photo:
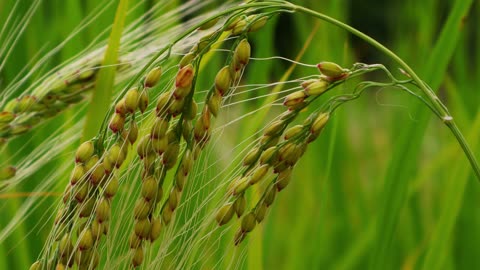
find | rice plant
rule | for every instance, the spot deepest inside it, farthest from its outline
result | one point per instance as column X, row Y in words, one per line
column 175, row 136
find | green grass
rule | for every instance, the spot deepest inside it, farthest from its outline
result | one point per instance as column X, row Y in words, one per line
column 386, row 185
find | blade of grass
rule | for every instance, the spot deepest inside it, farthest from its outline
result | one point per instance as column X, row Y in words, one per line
column 102, row 93
column 441, row 238
column 394, row 192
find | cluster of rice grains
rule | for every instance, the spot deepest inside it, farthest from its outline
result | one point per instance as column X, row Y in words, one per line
column 20, row 115
column 160, row 149
column 84, row 216
column 270, row 163
column 175, row 139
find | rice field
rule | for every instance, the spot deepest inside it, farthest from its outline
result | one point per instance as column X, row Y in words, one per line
column 167, row 134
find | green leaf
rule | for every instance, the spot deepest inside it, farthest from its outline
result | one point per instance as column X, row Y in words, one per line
column 394, row 193
column 102, row 93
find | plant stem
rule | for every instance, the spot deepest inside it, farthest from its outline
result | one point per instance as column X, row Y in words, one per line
column 437, row 104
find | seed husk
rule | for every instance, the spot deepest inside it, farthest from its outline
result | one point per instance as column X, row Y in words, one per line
column 258, row 174
column 98, row 174
column 280, row 166
column 159, row 128
column 186, row 59
column 131, row 100
column 97, row 229
column 270, row 196
column 84, row 152
column 241, row 185
column 153, row 77
column 167, row 215
column 316, row 88
column 223, row 80
column 187, row 162
column 6, row 117
column 163, row 103
column 142, row 228
column 149, row 188
column 155, row 229
column 25, row 104
column 180, row 180
column 214, row 103
column 182, row 92
column 120, row 107
column 286, row 150
column 258, row 24
column 133, row 132
column 184, row 76
column 142, row 209
column 112, row 187
column 284, row 179
column 86, row 208
column 82, row 258
column 65, row 247
column 117, row 123
column 319, row 123
column 209, row 24
column 160, row 145
column 224, row 214
column 108, row 165
column 103, row 210
column 85, row 240
column 242, row 52
column 260, row 212
column 239, row 236
column 269, row 141
column 239, row 205
column 176, row 107
column 91, row 163
column 294, row 98
column 137, row 257
column 274, row 128
column 149, row 163
column 239, row 27
column 173, row 199
column 170, row 155
column 115, row 155
column 203, row 44
column 293, row 131
column 331, row 70
column 248, row 222
column 294, row 156
column 81, row 192
column 269, row 155
column 251, row 156
column 143, row 101
column 77, row 174
column 144, row 147
column 135, row 241
column 232, row 23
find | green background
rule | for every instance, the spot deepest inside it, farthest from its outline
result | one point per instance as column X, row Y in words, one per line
column 386, row 186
